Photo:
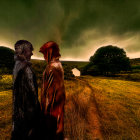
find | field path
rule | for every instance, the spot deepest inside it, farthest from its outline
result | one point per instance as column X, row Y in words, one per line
column 93, row 112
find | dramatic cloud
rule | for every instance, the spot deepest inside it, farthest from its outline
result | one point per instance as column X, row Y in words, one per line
column 78, row 26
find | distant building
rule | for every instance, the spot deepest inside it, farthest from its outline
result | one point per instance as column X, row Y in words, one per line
column 76, row 72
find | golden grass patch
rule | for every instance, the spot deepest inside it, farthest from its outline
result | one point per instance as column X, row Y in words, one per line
column 118, row 105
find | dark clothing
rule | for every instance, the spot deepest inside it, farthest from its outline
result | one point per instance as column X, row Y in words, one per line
column 26, row 107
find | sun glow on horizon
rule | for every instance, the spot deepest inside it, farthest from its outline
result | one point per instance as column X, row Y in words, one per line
column 91, row 47
column 6, row 44
column 61, row 59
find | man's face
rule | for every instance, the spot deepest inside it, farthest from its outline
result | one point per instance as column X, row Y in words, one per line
column 18, row 51
column 28, row 53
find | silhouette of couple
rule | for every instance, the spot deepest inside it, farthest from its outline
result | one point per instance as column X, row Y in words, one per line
column 33, row 120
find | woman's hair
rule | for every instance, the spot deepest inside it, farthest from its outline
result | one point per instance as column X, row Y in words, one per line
column 51, row 49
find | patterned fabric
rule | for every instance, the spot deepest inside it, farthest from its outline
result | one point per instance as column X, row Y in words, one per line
column 53, row 93
column 26, row 107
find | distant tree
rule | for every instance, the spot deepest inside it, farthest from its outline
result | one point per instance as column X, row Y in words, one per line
column 6, row 60
column 110, row 60
column 68, row 72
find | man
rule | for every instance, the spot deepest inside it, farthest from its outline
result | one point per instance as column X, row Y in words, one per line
column 53, row 93
column 26, row 107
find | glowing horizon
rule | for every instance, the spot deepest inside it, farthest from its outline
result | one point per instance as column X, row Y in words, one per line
column 130, row 55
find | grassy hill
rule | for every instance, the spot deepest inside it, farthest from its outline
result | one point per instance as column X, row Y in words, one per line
column 135, row 61
column 39, row 66
column 117, row 103
column 77, row 64
column 73, row 64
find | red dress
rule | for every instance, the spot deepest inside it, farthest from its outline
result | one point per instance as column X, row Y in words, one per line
column 53, row 93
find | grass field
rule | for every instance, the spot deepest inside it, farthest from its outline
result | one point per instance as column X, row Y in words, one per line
column 119, row 107
column 117, row 102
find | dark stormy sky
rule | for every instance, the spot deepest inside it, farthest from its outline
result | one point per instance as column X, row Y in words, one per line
column 78, row 26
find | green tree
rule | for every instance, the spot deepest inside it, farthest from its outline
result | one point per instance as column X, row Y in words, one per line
column 110, row 60
column 6, row 60
column 68, row 72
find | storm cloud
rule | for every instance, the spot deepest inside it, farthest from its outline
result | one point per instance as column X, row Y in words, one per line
column 78, row 26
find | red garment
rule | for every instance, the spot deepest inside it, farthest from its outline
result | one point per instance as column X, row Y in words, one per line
column 53, row 93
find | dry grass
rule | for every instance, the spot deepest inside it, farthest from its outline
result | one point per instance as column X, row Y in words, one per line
column 76, row 112
column 118, row 105
column 5, row 82
column 5, row 114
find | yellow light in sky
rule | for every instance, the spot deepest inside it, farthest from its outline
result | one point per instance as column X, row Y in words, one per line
column 6, row 44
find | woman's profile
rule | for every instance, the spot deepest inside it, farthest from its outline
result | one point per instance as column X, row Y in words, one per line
column 53, row 93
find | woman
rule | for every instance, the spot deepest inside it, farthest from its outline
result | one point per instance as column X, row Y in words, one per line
column 26, row 107
column 53, row 92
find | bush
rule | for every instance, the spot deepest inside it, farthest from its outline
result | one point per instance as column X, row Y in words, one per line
column 108, row 60
column 5, row 82
column 67, row 72
column 6, row 60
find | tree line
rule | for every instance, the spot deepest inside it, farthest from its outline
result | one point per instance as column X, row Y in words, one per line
column 107, row 60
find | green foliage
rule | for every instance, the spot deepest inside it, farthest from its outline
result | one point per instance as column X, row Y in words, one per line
column 68, row 72
column 131, row 76
column 5, row 70
column 90, row 69
column 77, row 64
column 110, row 60
column 38, row 66
column 135, row 61
column 5, row 82
column 6, row 60
column 135, row 67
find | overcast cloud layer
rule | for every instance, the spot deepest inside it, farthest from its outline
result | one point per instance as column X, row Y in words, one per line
column 78, row 26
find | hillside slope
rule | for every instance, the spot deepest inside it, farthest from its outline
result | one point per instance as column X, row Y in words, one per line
column 95, row 107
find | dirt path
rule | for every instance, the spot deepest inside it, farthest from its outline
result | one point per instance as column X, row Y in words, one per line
column 93, row 112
